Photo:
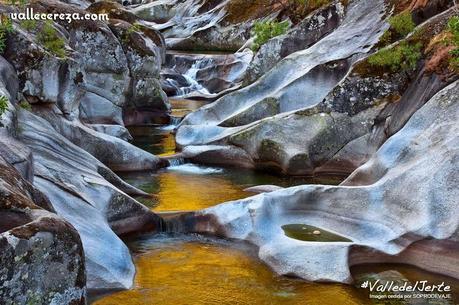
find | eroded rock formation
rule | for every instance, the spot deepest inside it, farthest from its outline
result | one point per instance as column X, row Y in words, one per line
column 343, row 108
column 373, row 207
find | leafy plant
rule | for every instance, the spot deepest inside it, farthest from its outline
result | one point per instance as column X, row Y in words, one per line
column 3, row 104
column 51, row 40
column 403, row 57
column 265, row 30
column 6, row 27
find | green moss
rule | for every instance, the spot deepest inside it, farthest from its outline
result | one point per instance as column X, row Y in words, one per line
column 403, row 57
column 270, row 150
column 51, row 40
column 265, row 30
column 20, row 3
column 400, row 26
column 3, row 104
column 127, row 35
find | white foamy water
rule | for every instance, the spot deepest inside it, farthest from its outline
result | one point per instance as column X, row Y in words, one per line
column 195, row 169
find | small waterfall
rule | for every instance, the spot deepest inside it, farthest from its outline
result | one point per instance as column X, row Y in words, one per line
column 176, row 161
column 205, row 76
column 175, row 121
column 191, row 78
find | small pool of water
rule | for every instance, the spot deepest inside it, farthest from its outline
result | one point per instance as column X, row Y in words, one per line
column 310, row 233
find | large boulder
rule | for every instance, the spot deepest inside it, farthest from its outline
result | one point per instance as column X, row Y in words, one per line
column 41, row 256
column 372, row 213
column 144, row 60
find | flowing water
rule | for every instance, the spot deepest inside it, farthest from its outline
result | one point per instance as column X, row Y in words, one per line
column 191, row 269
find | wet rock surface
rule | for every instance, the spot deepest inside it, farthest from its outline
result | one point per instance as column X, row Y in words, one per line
column 91, row 197
column 312, row 105
column 252, row 118
column 195, row 25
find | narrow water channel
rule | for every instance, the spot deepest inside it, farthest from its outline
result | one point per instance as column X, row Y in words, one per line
column 191, row 269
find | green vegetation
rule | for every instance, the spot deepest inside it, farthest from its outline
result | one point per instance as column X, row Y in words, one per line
column 403, row 57
column 51, row 40
column 18, row 2
column 28, row 25
column 265, row 30
column 25, row 105
column 3, row 104
column 400, row 26
column 6, row 27
column 453, row 28
column 133, row 28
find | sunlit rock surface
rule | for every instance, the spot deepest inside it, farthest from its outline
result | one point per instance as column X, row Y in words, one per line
column 373, row 207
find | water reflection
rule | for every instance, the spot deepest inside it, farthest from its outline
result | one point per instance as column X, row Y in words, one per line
column 194, row 270
column 192, row 187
